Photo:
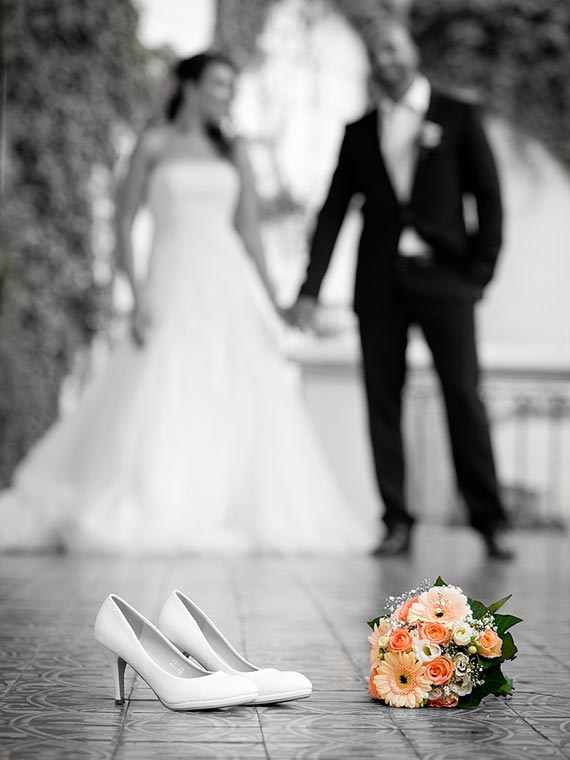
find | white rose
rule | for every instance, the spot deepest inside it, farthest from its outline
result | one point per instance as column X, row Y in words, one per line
column 436, row 693
column 430, row 137
column 461, row 662
column 426, row 651
column 462, row 634
column 461, row 687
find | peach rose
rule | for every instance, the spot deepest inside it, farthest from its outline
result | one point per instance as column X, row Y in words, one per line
column 440, row 670
column 402, row 612
column 490, row 644
column 443, row 702
column 436, row 633
column 372, row 686
column 400, row 640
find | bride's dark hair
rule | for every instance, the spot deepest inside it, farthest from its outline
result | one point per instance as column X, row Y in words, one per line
column 191, row 70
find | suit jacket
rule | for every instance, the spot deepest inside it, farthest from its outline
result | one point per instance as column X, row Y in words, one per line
column 460, row 164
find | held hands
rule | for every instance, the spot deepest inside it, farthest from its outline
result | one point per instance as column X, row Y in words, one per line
column 302, row 313
column 141, row 319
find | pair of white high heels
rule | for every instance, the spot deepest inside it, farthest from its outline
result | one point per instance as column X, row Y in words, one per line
column 217, row 675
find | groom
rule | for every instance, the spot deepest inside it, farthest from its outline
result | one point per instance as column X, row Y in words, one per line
column 414, row 159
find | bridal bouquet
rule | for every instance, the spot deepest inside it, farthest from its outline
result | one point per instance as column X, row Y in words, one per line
column 438, row 648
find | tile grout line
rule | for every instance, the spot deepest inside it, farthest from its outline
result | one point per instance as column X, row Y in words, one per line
column 316, row 601
column 41, row 643
column 324, row 615
column 234, row 586
column 543, row 736
column 119, row 740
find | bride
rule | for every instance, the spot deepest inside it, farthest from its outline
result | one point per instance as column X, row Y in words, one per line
column 193, row 438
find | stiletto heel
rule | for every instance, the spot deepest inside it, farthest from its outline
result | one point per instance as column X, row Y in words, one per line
column 126, row 637
column 118, row 666
column 192, row 631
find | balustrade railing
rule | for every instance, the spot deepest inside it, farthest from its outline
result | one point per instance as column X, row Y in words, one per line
column 529, row 412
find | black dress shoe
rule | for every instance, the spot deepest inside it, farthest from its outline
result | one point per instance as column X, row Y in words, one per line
column 496, row 548
column 396, row 544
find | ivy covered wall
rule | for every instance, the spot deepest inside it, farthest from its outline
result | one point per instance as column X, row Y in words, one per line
column 72, row 71
column 514, row 53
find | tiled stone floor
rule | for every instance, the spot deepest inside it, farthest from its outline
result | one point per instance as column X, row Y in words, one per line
column 305, row 613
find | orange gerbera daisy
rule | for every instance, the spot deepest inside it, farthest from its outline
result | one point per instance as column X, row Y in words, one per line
column 441, row 604
column 372, row 686
column 400, row 680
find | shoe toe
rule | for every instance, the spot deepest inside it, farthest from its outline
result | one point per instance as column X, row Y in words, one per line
column 280, row 685
column 243, row 687
column 238, row 689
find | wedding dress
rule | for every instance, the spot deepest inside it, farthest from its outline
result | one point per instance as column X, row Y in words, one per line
column 198, row 441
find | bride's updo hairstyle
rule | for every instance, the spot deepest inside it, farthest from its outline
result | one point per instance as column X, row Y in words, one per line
column 191, row 70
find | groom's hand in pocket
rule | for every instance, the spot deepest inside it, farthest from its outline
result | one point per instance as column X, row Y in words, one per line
column 302, row 313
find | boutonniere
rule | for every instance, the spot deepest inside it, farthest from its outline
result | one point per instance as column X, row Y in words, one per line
column 430, row 135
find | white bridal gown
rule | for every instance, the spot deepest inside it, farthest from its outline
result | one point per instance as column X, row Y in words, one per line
column 198, row 441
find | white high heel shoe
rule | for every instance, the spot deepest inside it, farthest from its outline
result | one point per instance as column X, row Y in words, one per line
column 126, row 637
column 187, row 626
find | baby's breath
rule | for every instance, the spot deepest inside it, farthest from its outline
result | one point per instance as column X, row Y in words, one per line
column 393, row 602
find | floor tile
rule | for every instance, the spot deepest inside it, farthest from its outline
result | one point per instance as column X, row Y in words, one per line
column 56, row 693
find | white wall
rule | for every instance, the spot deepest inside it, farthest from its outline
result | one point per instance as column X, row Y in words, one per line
column 187, row 26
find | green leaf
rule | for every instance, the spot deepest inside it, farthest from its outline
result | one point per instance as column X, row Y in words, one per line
column 477, row 608
column 509, row 649
column 486, row 663
column 374, row 622
column 440, row 581
column 497, row 605
column 473, row 699
column 504, row 622
column 507, row 687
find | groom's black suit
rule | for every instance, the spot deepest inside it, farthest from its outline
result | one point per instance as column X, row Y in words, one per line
column 392, row 292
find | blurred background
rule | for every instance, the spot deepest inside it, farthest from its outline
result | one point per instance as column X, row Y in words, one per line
column 79, row 81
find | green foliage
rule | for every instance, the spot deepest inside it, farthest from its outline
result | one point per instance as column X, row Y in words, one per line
column 477, row 608
column 74, row 72
column 514, row 54
column 495, row 683
column 238, row 25
column 509, row 649
column 498, row 604
column 240, row 22
column 504, row 622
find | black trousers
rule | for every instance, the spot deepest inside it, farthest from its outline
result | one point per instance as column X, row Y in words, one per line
column 448, row 325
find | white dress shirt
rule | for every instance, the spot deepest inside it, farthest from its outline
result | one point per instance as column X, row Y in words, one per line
column 400, row 125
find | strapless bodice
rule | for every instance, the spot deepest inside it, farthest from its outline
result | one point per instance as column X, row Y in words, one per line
column 195, row 244
column 186, row 196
